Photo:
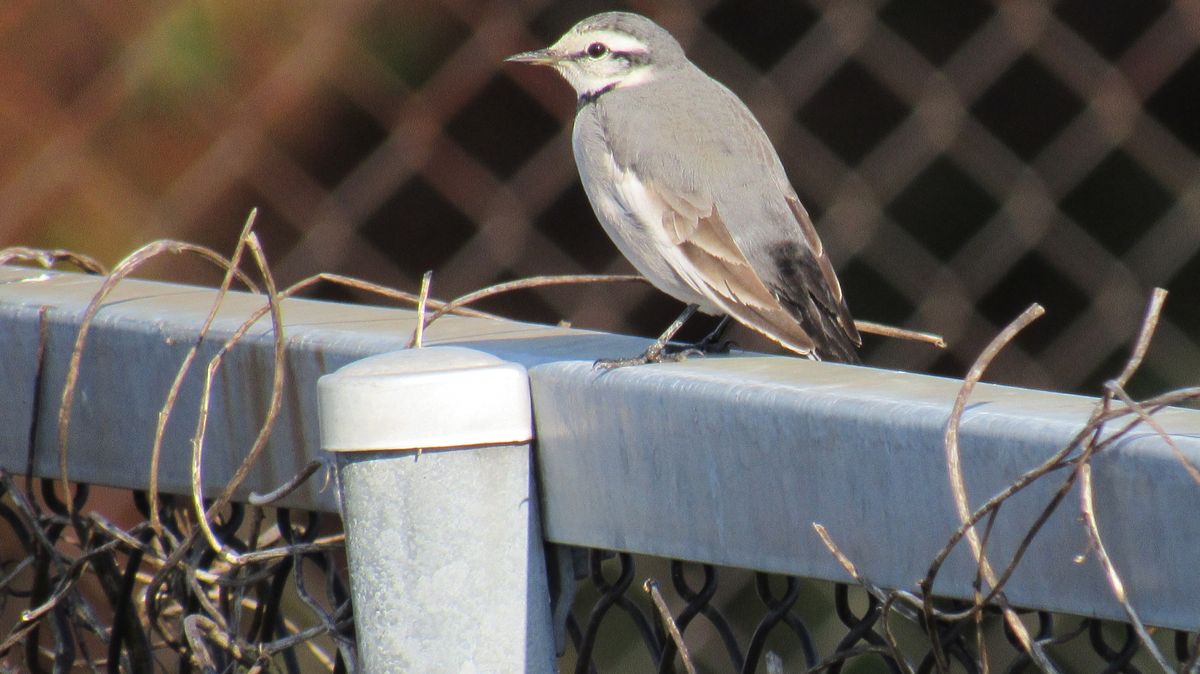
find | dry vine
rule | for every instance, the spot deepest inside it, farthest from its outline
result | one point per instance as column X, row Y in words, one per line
column 203, row 580
column 1075, row 461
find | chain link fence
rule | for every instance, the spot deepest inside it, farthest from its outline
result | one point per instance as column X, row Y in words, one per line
column 962, row 159
column 735, row 620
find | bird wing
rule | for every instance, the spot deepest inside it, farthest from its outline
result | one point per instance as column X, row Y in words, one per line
column 798, row 303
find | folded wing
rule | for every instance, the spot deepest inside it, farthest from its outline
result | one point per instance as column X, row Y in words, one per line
column 785, row 289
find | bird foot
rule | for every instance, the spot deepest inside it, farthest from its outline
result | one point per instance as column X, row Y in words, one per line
column 657, row 353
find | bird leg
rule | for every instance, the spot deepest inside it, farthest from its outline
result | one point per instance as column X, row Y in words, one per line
column 657, row 352
column 712, row 342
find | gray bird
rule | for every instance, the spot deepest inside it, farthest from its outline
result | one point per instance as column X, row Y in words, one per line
column 688, row 186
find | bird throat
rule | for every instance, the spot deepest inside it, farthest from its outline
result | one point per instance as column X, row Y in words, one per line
column 589, row 97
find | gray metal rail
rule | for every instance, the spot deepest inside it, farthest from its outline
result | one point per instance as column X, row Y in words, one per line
column 728, row 460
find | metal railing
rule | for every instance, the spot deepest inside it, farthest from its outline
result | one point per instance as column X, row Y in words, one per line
column 727, row 460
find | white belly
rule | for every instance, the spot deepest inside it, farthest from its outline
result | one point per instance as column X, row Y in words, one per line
column 633, row 222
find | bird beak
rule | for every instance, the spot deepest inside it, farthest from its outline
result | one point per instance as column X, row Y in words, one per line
column 537, row 57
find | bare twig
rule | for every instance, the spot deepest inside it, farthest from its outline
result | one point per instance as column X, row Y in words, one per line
column 268, row 422
column 376, row 289
column 1087, row 490
column 168, row 407
column 1110, row 569
column 285, row 488
column 1145, row 333
column 423, row 301
column 873, row 328
column 200, row 629
column 524, row 284
column 664, row 612
column 47, row 258
column 958, row 488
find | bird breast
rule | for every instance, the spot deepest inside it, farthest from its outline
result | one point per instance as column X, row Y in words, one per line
column 630, row 215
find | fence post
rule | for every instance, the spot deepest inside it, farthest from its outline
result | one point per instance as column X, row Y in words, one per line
column 446, row 564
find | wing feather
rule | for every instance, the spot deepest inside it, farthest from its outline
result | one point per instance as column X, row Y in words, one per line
column 709, row 258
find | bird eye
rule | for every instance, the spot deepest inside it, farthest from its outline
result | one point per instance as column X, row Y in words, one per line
column 596, row 50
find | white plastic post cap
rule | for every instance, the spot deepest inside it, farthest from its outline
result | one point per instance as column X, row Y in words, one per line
column 423, row 399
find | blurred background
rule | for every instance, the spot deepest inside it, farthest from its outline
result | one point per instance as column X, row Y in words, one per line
column 961, row 158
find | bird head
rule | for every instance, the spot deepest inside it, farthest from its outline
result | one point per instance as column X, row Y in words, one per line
column 610, row 50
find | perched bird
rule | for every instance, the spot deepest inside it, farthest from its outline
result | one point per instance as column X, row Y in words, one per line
column 687, row 184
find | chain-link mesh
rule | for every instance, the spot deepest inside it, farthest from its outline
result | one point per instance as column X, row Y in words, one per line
column 733, row 620
column 95, row 586
column 963, row 159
